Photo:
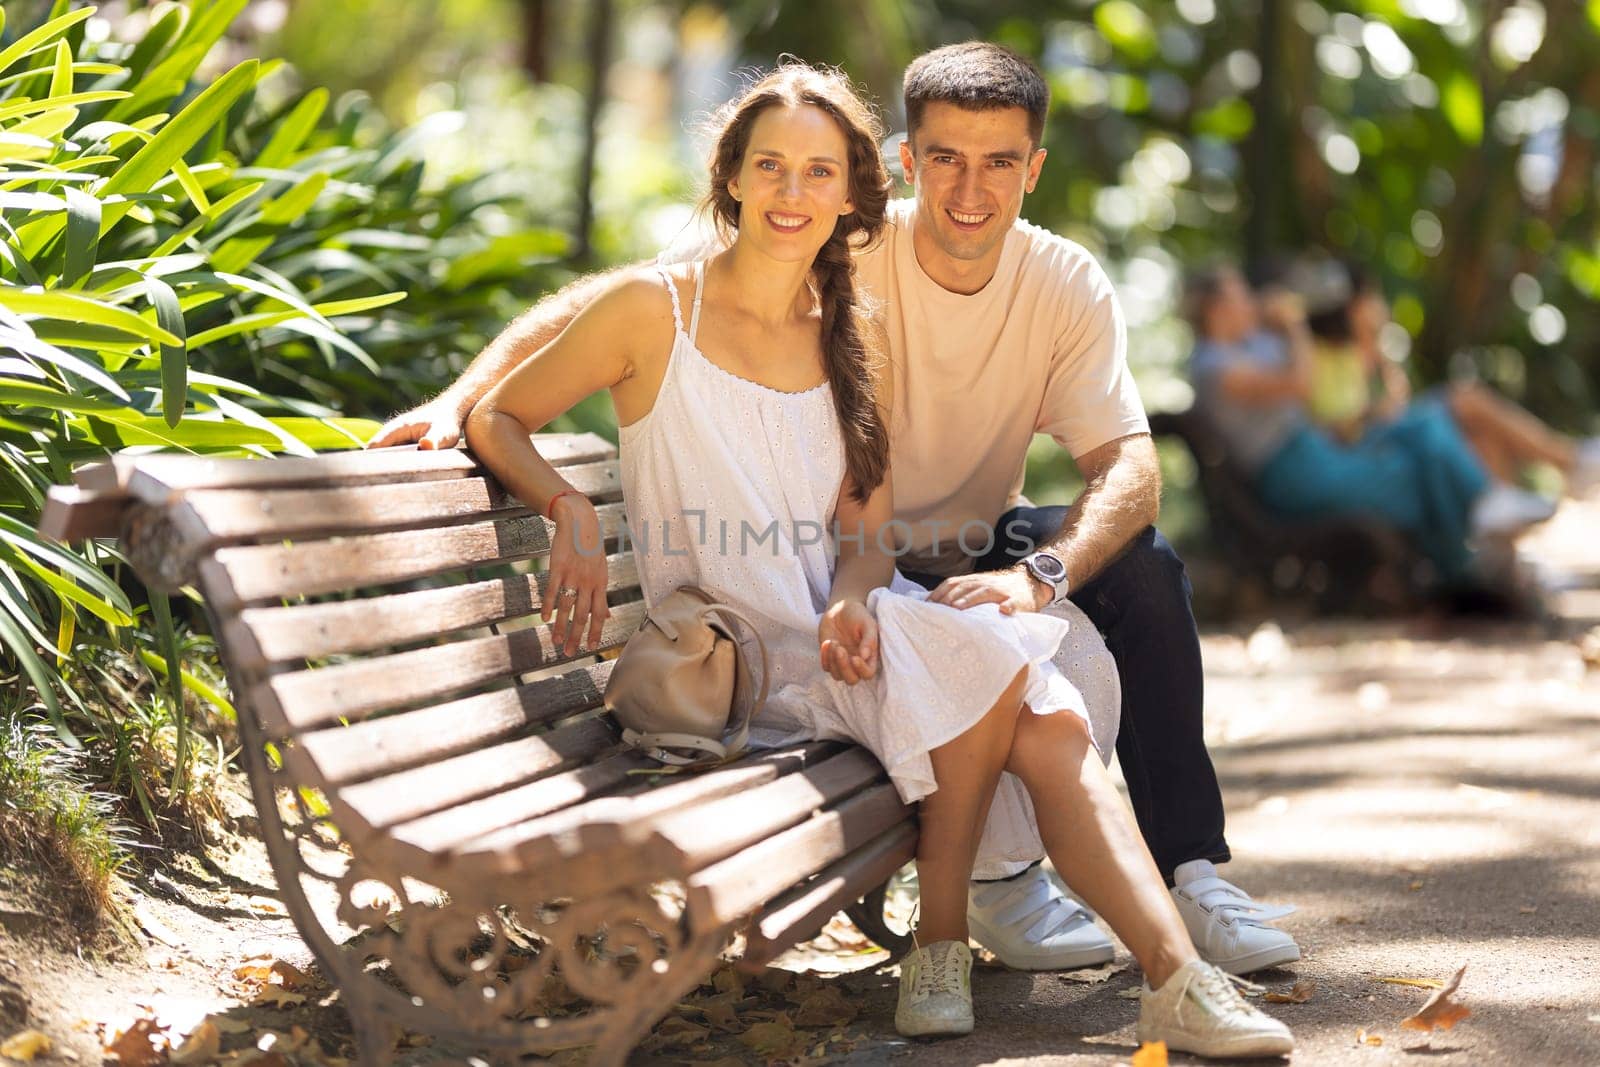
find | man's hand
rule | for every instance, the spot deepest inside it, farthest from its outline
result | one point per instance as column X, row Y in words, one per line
column 849, row 642
column 436, row 424
column 1014, row 590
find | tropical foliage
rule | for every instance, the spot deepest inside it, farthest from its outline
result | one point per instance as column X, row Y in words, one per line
column 212, row 264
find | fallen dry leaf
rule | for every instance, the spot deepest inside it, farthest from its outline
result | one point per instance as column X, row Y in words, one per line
column 275, row 996
column 1151, row 1054
column 1364, row 1038
column 1301, row 992
column 774, row 1040
column 719, row 1015
column 1420, row 983
column 676, row 1031
column 1133, row 992
column 144, row 1044
column 1440, row 1011
column 1092, row 975
column 1528, row 909
column 826, row 1007
column 1416, row 886
column 202, row 1046
column 25, row 1045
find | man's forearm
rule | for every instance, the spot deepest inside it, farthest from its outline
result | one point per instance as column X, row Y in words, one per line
column 1122, row 496
column 527, row 334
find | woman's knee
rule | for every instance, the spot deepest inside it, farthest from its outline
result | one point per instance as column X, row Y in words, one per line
column 1048, row 744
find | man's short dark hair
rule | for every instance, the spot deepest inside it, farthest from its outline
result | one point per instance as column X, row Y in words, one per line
column 978, row 76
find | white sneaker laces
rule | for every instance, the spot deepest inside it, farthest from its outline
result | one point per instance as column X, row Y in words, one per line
column 1223, row 990
column 937, row 973
column 1234, row 903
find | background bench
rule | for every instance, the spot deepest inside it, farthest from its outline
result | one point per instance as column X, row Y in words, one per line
column 1341, row 564
column 450, row 817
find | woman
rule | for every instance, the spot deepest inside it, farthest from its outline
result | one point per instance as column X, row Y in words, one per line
column 748, row 393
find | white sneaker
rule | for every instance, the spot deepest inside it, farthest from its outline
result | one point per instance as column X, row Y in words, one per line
column 1228, row 928
column 1198, row 1010
column 1585, row 475
column 935, row 991
column 1030, row 925
column 1504, row 510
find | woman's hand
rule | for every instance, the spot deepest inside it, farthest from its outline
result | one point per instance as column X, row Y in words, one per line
column 576, row 596
column 849, row 637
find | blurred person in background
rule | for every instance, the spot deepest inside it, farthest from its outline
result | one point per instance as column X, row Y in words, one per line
column 1253, row 370
column 1358, row 393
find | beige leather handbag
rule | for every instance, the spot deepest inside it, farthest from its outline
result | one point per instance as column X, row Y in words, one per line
column 682, row 687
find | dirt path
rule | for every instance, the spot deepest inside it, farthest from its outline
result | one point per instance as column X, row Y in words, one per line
column 1427, row 798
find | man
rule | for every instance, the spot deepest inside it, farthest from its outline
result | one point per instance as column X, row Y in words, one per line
column 998, row 330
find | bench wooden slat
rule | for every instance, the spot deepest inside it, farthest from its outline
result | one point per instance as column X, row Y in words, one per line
column 805, row 909
column 356, row 467
column 323, row 695
column 411, row 794
column 73, row 514
column 251, row 573
column 447, row 832
column 720, row 828
column 364, row 750
column 751, row 772
column 743, row 882
column 305, row 631
column 238, row 514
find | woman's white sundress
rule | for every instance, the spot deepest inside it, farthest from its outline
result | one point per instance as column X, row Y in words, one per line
column 731, row 486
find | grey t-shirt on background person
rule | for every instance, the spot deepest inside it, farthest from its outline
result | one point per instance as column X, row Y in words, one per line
column 1255, row 432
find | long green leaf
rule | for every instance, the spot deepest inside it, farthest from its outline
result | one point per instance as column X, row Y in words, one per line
column 152, row 161
column 79, row 308
column 193, row 683
column 26, row 394
column 30, row 345
column 44, row 680
column 83, row 235
column 43, row 35
column 167, row 639
column 174, row 358
column 293, row 130
column 28, row 107
column 61, row 79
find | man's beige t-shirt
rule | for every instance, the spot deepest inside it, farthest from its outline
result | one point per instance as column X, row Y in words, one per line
column 1041, row 349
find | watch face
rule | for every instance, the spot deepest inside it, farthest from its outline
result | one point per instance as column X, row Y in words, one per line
column 1048, row 567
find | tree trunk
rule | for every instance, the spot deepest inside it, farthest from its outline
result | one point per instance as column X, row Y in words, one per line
column 535, row 39
column 599, row 65
column 1265, row 147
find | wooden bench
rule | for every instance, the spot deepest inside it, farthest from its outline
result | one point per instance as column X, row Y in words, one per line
column 377, row 614
column 1340, row 563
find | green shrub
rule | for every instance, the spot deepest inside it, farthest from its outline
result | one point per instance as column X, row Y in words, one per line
column 217, row 267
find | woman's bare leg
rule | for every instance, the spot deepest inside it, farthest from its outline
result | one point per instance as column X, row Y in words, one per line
column 1501, row 432
column 967, row 770
column 1091, row 838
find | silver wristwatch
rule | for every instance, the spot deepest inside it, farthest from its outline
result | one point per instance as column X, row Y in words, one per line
column 1049, row 569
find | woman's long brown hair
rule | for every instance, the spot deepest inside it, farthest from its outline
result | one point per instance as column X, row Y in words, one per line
column 851, row 359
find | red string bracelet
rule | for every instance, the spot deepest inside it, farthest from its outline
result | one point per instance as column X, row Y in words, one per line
column 550, row 508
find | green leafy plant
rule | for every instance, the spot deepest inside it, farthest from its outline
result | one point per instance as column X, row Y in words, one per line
column 209, row 265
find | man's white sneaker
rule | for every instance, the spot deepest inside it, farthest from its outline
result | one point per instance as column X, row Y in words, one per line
column 1227, row 927
column 1030, row 925
column 1198, row 1010
column 1504, row 510
column 935, row 991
